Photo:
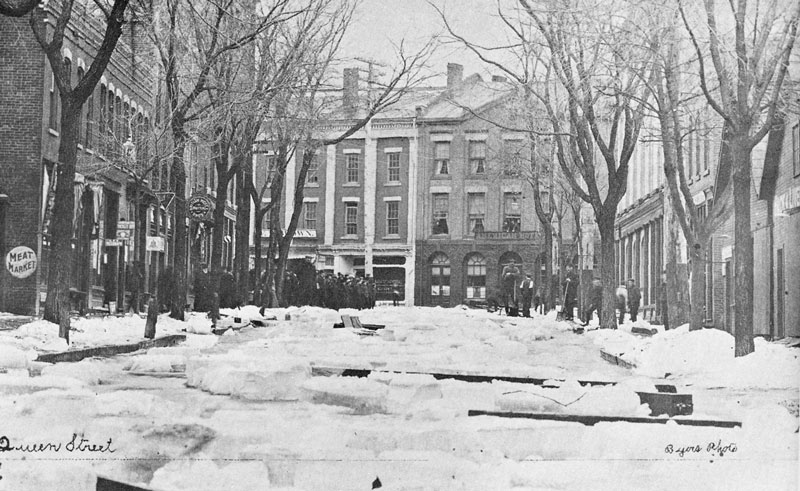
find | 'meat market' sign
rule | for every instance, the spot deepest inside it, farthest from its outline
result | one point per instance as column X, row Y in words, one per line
column 21, row 262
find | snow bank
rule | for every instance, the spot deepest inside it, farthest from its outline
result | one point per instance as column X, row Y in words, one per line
column 364, row 396
column 705, row 357
column 11, row 357
column 248, row 377
column 87, row 371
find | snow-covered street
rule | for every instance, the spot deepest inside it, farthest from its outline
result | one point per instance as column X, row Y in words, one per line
column 266, row 407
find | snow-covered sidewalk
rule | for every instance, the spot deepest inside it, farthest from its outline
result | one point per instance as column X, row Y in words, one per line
column 252, row 409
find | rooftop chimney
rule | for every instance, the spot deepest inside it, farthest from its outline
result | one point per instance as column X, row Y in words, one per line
column 350, row 90
column 498, row 78
column 454, row 74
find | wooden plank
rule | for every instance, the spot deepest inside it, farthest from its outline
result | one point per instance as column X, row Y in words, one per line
column 347, row 321
column 473, row 378
column 106, row 484
column 593, row 420
column 644, row 331
column 667, row 403
column 110, row 350
column 616, row 360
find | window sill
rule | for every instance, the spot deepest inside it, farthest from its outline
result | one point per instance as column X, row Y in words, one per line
column 391, row 237
column 349, row 237
column 393, row 184
column 312, row 185
column 440, row 236
column 441, row 176
column 706, row 172
column 52, row 132
column 89, row 151
column 351, row 185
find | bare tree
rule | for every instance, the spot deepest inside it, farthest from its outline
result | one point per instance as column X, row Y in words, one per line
column 72, row 98
column 749, row 53
column 17, row 8
column 298, row 123
column 191, row 39
column 584, row 61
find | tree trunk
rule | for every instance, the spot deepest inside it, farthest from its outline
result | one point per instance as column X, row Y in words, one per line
column 178, row 174
column 605, row 224
column 258, row 287
column 57, row 304
column 547, row 292
column 242, row 257
column 215, row 266
column 152, row 319
column 697, row 278
column 743, row 250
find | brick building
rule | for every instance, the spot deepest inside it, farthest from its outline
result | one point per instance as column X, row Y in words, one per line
column 111, row 132
column 360, row 196
column 475, row 214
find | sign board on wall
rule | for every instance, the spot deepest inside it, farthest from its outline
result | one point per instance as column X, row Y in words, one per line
column 155, row 244
column 200, row 207
column 21, row 262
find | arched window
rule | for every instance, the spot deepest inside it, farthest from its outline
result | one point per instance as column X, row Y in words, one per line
column 440, row 278
column 476, row 277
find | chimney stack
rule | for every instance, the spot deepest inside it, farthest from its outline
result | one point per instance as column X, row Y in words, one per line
column 498, row 78
column 350, row 90
column 454, row 74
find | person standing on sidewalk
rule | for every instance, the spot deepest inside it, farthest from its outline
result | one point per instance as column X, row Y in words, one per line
column 622, row 301
column 634, row 299
column 570, row 293
column 526, row 289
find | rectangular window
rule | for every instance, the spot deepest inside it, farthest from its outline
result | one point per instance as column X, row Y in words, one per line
column 351, row 218
column 392, row 218
column 312, row 176
column 310, row 215
column 512, row 213
column 796, row 149
column 393, row 166
column 689, row 155
column 87, row 136
column 53, row 119
column 441, row 156
column 477, row 157
column 101, row 128
column 476, row 209
column 352, row 167
column 441, row 204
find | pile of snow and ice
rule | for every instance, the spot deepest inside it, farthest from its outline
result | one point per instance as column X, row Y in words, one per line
column 706, row 357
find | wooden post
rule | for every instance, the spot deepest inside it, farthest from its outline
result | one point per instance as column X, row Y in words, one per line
column 152, row 318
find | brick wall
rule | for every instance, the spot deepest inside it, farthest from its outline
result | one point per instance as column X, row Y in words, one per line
column 21, row 86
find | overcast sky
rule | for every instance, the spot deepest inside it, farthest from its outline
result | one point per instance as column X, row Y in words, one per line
column 380, row 25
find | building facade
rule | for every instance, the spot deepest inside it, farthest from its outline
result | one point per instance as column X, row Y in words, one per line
column 111, row 131
column 475, row 211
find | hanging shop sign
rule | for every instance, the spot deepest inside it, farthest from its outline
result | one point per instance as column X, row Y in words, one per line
column 21, row 262
column 200, row 207
column 155, row 244
column 126, row 225
column 124, row 234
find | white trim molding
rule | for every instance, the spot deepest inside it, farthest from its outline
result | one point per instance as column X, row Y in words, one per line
column 441, row 137
column 393, row 150
column 476, row 136
column 439, row 189
column 392, row 198
column 311, row 200
column 351, row 199
column 351, row 150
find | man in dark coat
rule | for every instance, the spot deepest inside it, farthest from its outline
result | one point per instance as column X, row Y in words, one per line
column 510, row 275
column 526, row 289
column 570, row 287
column 634, row 299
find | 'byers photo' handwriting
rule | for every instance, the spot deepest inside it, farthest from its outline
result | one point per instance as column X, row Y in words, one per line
column 714, row 448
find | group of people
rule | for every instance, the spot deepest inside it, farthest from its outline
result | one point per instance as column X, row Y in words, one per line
column 528, row 292
column 338, row 291
column 628, row 295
